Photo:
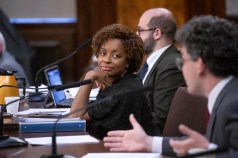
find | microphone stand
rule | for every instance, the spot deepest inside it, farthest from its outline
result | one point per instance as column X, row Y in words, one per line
column 58, row 61
column 69, row 85
column 65, row 86
column 6, row 141
column 109, row 98
column 24, row 85
column 5, row 85
column 24, row 88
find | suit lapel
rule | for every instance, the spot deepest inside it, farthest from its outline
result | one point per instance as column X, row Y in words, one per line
column 212, row 120
column 172, row 48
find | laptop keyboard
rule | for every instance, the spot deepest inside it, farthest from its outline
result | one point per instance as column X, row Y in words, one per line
column 66, row 102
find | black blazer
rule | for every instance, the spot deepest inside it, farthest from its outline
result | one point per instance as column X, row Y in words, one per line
column 164, row 78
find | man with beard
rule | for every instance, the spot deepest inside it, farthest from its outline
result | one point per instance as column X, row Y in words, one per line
column 157, row 28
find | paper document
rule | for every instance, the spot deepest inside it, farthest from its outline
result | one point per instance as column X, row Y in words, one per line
column 62, row 140
column 122, row 155
column 37, row 110
column 74, row 91
column 32, row 89
column 93, row 93
column 35, row 120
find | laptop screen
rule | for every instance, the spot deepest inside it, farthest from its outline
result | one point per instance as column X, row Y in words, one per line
column 53, row 78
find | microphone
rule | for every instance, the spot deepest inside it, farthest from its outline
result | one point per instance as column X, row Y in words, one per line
column 6, row 85
column 69, row 85
column 55, row 87
column 109, row 98
column 58, row 61
column 24, row 84
column 23, row 87
column 6, row 141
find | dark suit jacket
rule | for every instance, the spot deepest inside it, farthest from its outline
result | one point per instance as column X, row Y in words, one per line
column 223, row 123
column 230, row 153
column 164, row 79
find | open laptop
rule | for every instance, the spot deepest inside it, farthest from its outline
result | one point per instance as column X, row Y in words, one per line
column 53, row 78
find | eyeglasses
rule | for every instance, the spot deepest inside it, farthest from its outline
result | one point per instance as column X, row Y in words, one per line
column 139, row 30
column 179, row 63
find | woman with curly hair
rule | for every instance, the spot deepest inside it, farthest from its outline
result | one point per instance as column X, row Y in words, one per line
column 120, row 54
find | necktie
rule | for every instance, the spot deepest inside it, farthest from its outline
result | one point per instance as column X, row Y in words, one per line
column 207, row 116
column 143, row 70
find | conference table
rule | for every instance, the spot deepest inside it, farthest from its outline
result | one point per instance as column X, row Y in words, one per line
column 32, row 151
column 76, row 150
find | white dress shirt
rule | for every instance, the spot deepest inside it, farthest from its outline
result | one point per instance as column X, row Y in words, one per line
column 212, row 97
column 153, row 58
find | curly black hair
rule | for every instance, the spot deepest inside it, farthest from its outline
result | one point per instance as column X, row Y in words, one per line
column 213, row 39
column 132, row 43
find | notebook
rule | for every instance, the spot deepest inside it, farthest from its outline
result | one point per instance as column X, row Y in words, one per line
column 53, row 78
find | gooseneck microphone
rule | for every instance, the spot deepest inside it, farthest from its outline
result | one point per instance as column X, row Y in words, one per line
column 6, row 141
column 109, row 98
column 19, row 87
column 10, row 86
column 56, row 87
column 58, row 61
column 69, row 85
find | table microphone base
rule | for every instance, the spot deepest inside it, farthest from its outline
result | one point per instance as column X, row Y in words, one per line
column 6, row 141
column 57, row 156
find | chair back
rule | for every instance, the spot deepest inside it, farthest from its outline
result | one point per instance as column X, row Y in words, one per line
column 186, row 109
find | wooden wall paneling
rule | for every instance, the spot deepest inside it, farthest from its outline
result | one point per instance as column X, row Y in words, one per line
column 92, row 15
column 51, row 42
column 129, row 12
column 219, row 9
column 205, row 7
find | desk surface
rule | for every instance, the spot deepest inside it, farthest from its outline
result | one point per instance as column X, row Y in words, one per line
column 77, row 150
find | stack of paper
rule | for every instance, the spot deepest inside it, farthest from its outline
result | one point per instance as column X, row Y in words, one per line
column 36, row 111
column 62, row 140
column 122, row 155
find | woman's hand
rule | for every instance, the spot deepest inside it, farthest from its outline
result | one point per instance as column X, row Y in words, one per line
column 100, row 77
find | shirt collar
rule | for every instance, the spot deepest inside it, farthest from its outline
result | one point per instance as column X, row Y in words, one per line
column 212, row 97
column 155, row 55
column 153, row 58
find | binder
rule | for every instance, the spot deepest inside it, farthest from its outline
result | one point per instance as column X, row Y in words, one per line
column 27, row 125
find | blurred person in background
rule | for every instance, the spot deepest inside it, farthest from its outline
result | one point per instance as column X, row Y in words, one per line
column 9, row 63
